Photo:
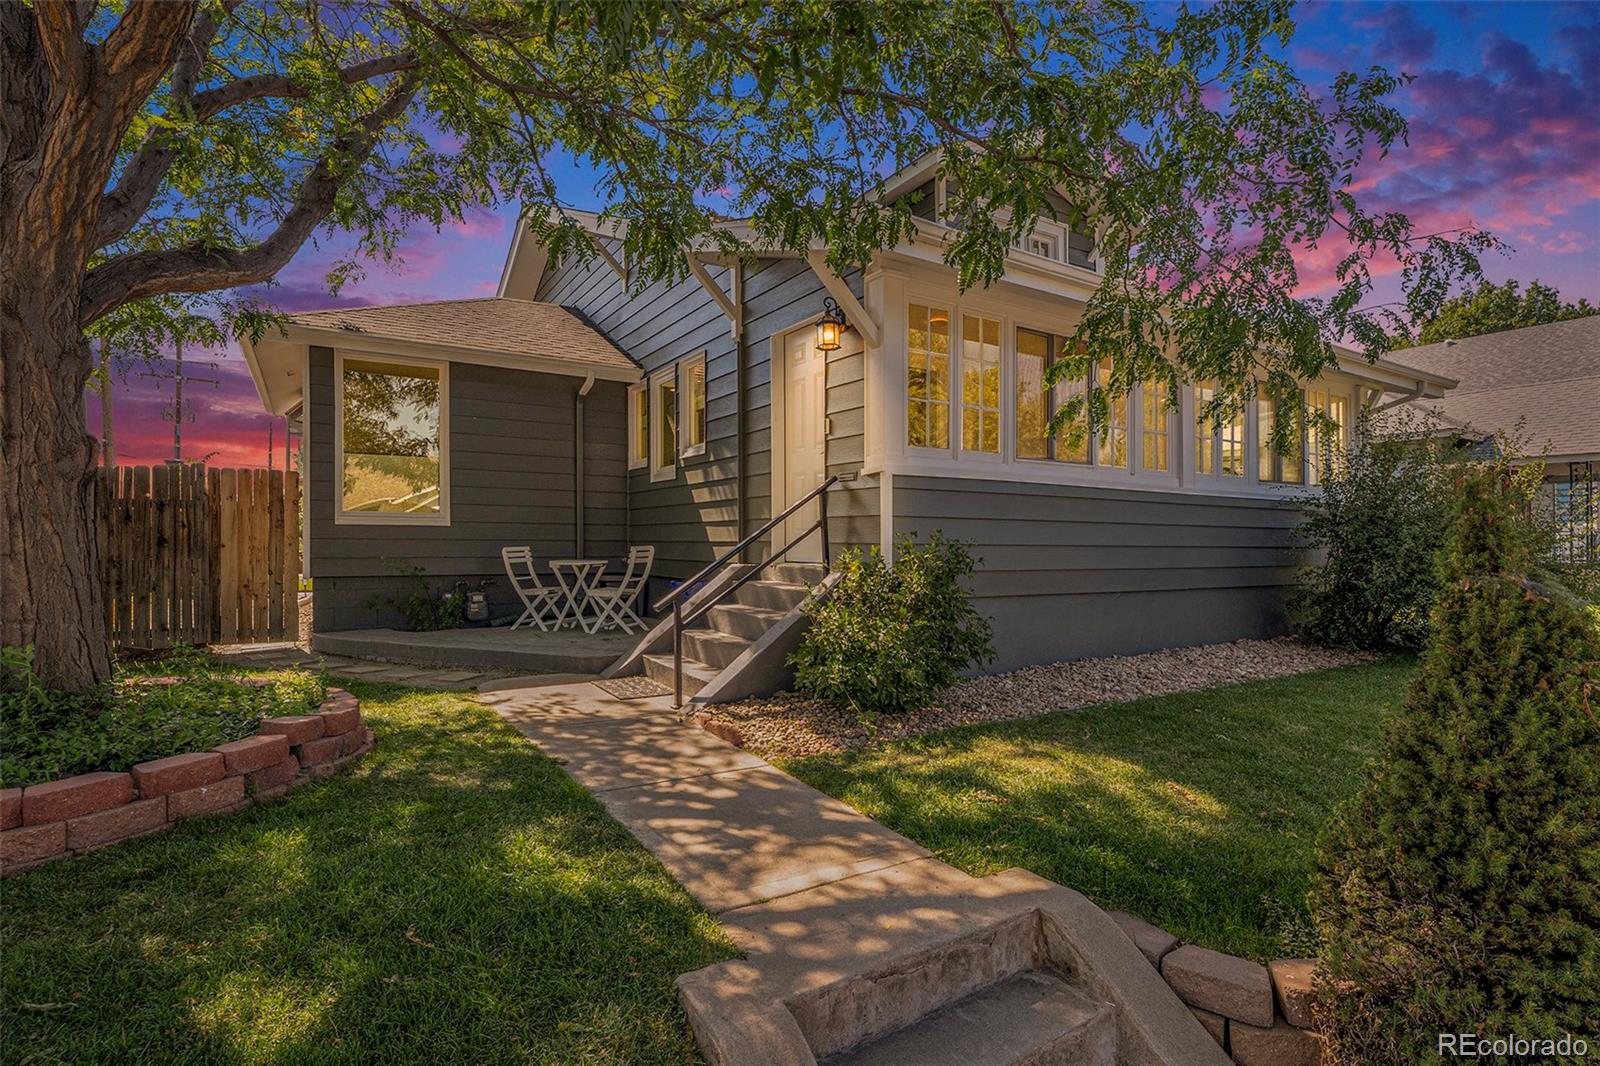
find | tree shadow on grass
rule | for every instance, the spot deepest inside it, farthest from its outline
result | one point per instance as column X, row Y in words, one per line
column 453, row 897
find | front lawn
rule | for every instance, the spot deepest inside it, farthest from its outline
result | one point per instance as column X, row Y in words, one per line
column 1197, row 811
column 453, row 897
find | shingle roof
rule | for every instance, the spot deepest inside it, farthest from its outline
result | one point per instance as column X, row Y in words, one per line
column 1548, row 377
column 492, row 324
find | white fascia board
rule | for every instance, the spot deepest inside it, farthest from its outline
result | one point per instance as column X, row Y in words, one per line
column 376, row 344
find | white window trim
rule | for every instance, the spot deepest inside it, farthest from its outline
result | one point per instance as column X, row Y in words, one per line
column 372, row 518
column 659, row 470
column 685, row 415
column 636, row 399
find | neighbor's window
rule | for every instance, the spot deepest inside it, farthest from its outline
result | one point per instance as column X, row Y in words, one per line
column 638, row 425
column 1156, row 428
column 1271, row 465
column 694, row 405
column 928, row 377
column 980, row 384
column 664, row 424
column 391, row 441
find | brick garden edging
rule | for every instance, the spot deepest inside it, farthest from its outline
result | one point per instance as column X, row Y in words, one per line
column 86, row 812
column 1260, row 1015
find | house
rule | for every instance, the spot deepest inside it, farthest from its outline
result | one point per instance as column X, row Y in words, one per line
column 1539, row 386
column 578, row 415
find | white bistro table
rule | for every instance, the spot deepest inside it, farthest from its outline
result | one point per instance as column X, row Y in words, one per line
column 576, row 577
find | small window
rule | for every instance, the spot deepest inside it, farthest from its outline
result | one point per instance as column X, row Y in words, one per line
column 638, row 425
column 1155, row 429
column 693, row 418
column 393, row 462
column 928, row 377
column 1233, row 446
column 980, row 384
column 1206, row 430
column 664, row 425
column 1042, row 245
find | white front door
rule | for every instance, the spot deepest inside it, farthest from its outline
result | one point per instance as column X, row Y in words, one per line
column 805, row 406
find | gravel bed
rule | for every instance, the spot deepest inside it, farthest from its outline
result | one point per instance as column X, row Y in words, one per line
column 788, row 724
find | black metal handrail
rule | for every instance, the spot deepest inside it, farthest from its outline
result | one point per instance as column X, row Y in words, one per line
column 678, row 596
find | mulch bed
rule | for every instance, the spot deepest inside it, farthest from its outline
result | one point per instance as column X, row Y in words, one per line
column 792, row 725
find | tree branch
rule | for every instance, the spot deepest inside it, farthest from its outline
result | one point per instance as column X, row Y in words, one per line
column 196, row 268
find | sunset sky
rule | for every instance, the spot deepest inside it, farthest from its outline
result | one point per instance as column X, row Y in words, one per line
column 1504, row 134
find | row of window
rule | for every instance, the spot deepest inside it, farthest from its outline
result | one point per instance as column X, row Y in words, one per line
column 975, row 358
column 673, row 396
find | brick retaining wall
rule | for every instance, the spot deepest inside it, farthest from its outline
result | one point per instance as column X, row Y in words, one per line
column 1261, row 1015
column 79, row 814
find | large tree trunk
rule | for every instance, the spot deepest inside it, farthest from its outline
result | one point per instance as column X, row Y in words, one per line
column 50, row 571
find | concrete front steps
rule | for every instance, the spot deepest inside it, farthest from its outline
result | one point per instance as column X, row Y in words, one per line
column 922, row 964
column 740, row 646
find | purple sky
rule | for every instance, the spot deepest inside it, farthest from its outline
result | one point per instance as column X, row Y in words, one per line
column 1503, row 135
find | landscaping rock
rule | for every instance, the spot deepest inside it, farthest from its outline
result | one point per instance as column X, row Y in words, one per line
column 176, row 773
column 274, row 779
column 1152, row 940
column 340, row 719
column 1215, row 1024
column 254, row 753
column 1233, row 987
column 298, row 728
column 10, row 808
column 207, row 798
column 119, row 823
column 31, row 844
column 1279, row 1044
column 320, row 751
column 1294, row 982
column 71, row 797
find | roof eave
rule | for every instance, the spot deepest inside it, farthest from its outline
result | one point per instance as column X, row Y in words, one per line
column 378, row 344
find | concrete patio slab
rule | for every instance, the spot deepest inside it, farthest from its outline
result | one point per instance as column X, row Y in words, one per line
column 503, row 648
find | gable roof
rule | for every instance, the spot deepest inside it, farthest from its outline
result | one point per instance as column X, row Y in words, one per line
column 520, row 334
column 1547, row 377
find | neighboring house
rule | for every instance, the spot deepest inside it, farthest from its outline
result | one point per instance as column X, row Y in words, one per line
column 1539, row 386
column 711, row 409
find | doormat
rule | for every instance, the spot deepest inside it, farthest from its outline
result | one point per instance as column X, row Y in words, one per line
column 634, row 688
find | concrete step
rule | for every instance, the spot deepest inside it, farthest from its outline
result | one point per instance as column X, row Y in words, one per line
column 807, row 574
column 1033, row 1018
column 778, row 596
column 712, row 647
column 696, row 675
column 739, row 620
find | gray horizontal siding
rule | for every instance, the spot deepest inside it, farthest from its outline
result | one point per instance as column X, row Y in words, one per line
column 1074, row 572
column 512, row 481
column 711, row 503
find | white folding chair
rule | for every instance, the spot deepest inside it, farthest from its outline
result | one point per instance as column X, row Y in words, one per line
column 538, row 599
column 614, row 603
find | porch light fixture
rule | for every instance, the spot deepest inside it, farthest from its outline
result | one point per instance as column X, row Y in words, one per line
column 831, row 327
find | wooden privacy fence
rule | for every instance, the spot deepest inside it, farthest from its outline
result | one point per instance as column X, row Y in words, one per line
column 199, row 556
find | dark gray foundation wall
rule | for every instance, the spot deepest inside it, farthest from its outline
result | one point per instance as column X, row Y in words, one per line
column 1079, row 572
column 512, row 450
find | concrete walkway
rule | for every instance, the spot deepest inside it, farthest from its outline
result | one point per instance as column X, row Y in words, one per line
column 731, row 828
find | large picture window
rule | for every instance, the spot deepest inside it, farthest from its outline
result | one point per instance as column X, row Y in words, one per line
column 391, row 442
column 928, row 377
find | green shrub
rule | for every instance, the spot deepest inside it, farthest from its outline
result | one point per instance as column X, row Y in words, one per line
column 1376, row 529
column 137, row 717
column 1460, row 890
column 425, row 610
column 890, row 638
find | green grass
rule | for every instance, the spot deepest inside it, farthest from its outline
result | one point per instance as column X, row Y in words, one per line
column 1198, row 812
column 453, row 897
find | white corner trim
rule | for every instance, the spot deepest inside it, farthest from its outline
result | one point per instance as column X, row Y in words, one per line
column 869, row 328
